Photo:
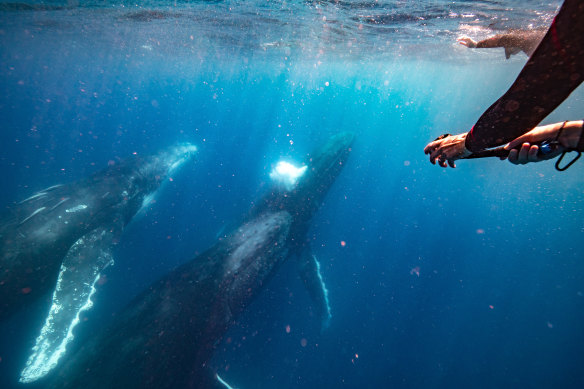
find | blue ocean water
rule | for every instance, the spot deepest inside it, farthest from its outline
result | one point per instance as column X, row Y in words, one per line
column 471, row 277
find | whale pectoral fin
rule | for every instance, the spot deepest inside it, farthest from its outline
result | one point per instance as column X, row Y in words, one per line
column 75, row 287
column 222, row 383
column 208, row 379
column 309, row 270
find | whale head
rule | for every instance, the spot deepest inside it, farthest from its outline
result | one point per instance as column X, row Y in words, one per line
column 325, row 164
column 167, row 161
column 146, row 174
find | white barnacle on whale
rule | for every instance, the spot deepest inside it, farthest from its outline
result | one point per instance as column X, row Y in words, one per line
column 286, row 174
column 76, row 208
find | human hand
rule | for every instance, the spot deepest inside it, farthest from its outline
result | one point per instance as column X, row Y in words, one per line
column 569, row 133
column 465, row 41
column 447, row 149
column 530, row 153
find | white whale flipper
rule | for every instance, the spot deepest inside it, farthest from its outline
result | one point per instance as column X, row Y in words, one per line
column 223, row 382
column 75, row 287
column 309, row 270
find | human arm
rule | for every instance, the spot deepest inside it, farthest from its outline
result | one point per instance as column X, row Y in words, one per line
column 513, row 42
column 468, row 42
column 554, row 70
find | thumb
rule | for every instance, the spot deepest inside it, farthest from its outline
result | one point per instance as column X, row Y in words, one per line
column 514, row 143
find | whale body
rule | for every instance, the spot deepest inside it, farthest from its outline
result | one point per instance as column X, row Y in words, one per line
column 166, row 336
column 60, row 239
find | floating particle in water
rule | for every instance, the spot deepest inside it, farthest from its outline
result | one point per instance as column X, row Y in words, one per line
column 343, row 243
column 303, row 342
column 415, row 270
column 288, row 328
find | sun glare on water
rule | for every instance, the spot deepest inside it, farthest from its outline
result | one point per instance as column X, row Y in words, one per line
column 286, row 174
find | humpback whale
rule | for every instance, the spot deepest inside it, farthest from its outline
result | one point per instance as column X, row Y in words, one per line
column 60, row 239
column 166, row 336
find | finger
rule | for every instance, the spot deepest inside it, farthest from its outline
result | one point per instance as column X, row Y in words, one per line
column 523, row 153
column 532, row 154
column 435, row 154
column 451, row 163
column 515, row 143
column 513, row 154
column 443, row 160
column 433, row 157
column 429, row 147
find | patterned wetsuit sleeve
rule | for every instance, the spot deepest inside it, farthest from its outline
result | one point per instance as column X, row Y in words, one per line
column 554, row 70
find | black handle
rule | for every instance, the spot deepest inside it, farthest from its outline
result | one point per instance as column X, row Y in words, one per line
column 498, row 152
column 546, row 147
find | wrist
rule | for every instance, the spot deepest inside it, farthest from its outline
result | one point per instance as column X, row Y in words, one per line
column 571, row 134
